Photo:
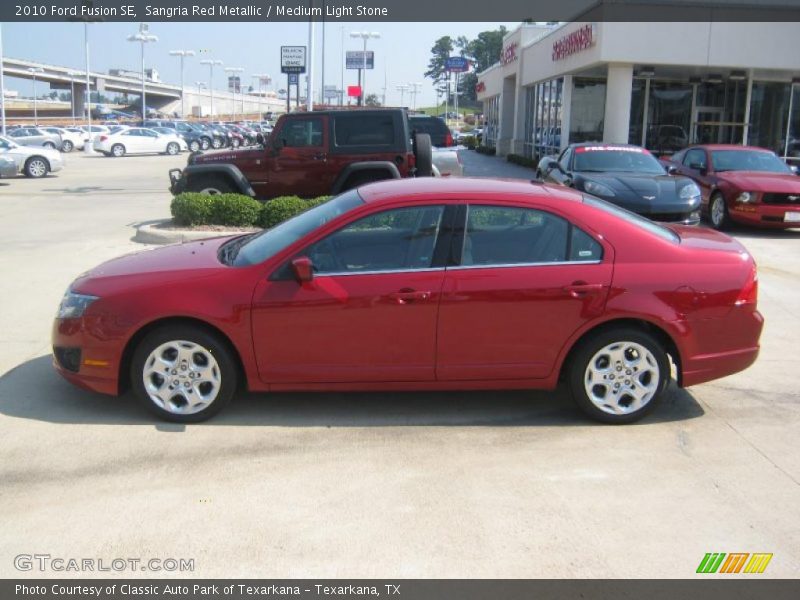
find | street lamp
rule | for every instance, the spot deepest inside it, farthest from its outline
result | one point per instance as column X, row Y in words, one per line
column 364, row 35
column 264, row 79
column 235, row 70
column 33, row 71
column 183, row 54
column 2, row 88
column 211, row 64
column 415, row 88
column 71, row 75
column 143, row 37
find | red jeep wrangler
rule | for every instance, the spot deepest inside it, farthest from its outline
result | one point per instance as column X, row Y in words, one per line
column 313, row 154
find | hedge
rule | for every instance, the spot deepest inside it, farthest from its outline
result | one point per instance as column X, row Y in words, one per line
column 524, row 161
column 491, row 150
column 238, row 210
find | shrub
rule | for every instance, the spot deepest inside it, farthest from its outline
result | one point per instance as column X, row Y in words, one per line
column 285, row 207
column 470, row 141
column 524, row 161
column 234, row 209
column 191, row 208
column 490, row 150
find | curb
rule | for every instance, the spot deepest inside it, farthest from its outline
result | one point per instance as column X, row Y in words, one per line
column 150, row 233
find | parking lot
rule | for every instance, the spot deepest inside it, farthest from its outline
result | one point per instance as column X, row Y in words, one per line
column 479, row 484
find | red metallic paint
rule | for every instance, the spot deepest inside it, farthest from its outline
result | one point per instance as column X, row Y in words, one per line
column 471, row 328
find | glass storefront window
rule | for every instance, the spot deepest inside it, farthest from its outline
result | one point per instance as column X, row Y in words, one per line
column 587, row 110
column 637, row 111
column 492, row 124
column 668, row 116
column 545, row 130
column 719, row 113
column 792, row 148
column 769, row 112
column 530, row 112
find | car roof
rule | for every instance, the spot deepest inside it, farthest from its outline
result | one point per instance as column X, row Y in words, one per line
column 463, row 187
column 729, row 147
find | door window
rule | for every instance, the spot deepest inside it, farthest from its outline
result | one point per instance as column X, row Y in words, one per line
column 695, row 157
column 500, row 235
column 394, row 240
column 299, row 133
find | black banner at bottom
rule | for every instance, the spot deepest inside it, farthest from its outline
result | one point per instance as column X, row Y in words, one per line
column 405, row 589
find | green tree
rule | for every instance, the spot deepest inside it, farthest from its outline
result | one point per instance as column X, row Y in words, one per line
column 442, row 49
column 372, row 100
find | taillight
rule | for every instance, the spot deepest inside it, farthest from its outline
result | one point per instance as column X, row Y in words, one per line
column 103, row 138
column 448, row 139
column 749, row 292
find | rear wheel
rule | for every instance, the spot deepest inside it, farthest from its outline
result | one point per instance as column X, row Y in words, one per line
column 50, row 145
column 36, row 167
column 205, row 143
column 216, row 143
column 183, row 373
column 423, row 153
column 209, row 184
column 118, row 150
column 619, row 376
column 67, row 146
column 718, row 212
column 194, row 146
column 173, row 148
column 235, row 143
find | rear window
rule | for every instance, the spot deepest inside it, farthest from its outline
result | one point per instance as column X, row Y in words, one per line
column 364, row 130
column 429, row 125
column 633, row 218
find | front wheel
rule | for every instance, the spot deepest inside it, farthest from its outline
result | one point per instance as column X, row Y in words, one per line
column 209, row 184
column 36, row 167
column 67, row 146
column 194, row 146
column 183, row 373
column 118, row 150
column 619, row 375
column 718, row 212
column 205, row 143
column 49, row 145
column 173, row 148
column 216, row 143
column 235, row 143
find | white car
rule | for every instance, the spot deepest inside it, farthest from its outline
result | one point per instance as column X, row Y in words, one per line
column 70, row 138
column 30, row 160
column 135, row 140
column 447, row 163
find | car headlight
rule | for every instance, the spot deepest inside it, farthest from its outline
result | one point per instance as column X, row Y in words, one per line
column 73, row 305
column 689, row 191
column 746, row 197
column 598, row 189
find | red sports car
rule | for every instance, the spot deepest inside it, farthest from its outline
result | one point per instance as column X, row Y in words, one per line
column 420, row 284
column 742, row 184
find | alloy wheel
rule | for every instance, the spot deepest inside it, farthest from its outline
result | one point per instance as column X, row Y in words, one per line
column 37, row 168
column 622, row 377
column 717, row 211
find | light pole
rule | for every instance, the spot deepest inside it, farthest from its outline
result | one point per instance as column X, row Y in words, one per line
column 415, row 88
column 364, row 35
column 211, row 64
column 71, row 75
column 33, row 71
column 235, row 70
column 89, row 147
column 143, row 37
column 183, row 54
column 2, row 87
column 402, row 89
column 264, row 79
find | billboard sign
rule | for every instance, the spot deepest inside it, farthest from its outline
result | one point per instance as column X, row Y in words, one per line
column 354, row 59
column 293, row 59
column 456, row 64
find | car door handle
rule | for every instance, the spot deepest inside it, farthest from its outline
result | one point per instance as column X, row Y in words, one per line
column 408, row 296
column 580, row 288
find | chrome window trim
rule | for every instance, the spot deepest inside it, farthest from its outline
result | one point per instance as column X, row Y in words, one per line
column 350, row 273
column 560, row 263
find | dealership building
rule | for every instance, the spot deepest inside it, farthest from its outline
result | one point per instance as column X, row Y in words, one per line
column 659, row 85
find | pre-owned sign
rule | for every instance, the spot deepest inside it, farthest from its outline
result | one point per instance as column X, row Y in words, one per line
column 293, row 59
column 577, row 41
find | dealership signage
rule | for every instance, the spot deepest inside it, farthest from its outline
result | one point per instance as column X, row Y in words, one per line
column 579, row 40
column 509, row 53
column 293, row 59
column 456, row 64
column 481, row 87
column 355, row 59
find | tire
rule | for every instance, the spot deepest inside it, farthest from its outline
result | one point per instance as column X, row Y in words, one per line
column 50, row 145
column 205, row 143
column 173, row 148
column 235, row 143
column 209, row 184
column 423, row 153
column 718, row 212
column 67, row 146
column 194, row 146
column 216, row 143
column 201, row 364
column 618, row 357
column 118, row 150
column 36, row 167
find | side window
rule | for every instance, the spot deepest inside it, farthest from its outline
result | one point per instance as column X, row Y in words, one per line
column 499, row 235
column 355, row 130
column 299, row 133
column 583, row 248
column 566, row 157
column 16, row 133
column 399, row 239
column 696, row 156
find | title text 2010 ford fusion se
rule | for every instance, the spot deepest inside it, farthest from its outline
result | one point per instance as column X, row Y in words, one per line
column 420, row 284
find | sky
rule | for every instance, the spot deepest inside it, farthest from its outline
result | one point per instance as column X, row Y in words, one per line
column 401, row 53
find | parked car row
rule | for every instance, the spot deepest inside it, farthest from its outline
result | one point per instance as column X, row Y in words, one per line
column 31, row 161
column 724, row 183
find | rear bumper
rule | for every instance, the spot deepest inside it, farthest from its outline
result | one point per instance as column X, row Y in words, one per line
column 764, row 215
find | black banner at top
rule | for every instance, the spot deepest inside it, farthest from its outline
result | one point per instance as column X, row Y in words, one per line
column 399, row 10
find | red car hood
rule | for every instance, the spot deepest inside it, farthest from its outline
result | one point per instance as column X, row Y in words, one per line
column 152, row 267
column 757, row 181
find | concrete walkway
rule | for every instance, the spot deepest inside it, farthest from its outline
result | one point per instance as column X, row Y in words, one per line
column 481, row 165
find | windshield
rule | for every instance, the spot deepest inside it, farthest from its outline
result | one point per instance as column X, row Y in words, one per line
column 748, row 160
column 622, row 158
column 268, row 243
column 633, row 218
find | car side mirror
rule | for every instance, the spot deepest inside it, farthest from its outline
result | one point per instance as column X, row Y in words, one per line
column 672, row 170
column 303, row 269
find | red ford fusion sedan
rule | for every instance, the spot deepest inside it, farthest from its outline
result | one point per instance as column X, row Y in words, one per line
column 741, row 184
column 421, row 284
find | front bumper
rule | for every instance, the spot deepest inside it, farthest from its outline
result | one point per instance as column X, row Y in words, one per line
column 8, row 170
column 764, row 215
column 86, row 360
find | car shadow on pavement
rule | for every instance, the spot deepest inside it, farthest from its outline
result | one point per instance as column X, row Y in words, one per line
column 764, row 234
column 33, row 390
